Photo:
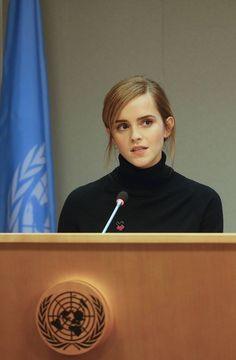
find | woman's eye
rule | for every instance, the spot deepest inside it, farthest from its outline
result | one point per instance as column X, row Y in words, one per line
column 122, row 126
column 147, row 122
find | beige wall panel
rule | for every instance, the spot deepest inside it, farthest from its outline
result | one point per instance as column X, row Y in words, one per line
column 200, row 73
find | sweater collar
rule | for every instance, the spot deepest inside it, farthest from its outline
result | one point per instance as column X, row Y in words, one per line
column 129, row 175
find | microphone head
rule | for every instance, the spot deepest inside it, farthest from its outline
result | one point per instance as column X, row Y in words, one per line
column 122, row 197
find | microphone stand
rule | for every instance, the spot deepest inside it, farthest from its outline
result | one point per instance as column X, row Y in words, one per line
column 119, row 202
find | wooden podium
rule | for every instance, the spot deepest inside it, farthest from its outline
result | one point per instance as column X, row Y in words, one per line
column 171, row 296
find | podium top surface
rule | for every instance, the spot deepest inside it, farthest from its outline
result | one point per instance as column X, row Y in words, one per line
column 131, row 238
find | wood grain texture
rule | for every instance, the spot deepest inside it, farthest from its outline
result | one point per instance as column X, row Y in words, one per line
column 169, row 300
column 134, row 238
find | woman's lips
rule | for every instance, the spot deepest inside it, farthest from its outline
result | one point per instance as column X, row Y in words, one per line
column 138, row 149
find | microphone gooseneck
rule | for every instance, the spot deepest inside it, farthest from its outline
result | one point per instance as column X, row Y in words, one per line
column 121, row 199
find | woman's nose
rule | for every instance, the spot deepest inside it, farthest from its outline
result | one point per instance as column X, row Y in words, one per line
column 135, row 134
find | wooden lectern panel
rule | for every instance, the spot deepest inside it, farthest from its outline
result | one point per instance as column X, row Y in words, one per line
column 172, row 296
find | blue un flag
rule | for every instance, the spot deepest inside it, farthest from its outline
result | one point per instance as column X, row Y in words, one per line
column 26, row 175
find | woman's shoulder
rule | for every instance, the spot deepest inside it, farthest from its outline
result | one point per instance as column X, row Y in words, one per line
column 89, row 190
column 192, row 186
column 79, row 201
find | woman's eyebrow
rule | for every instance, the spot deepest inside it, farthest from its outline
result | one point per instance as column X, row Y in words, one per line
column 121, row 120
column 146, row 116
column 139, row 118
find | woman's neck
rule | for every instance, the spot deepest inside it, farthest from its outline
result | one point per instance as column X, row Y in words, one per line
column 131, row 176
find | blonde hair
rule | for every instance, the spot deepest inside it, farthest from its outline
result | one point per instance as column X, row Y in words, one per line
column 125, row 91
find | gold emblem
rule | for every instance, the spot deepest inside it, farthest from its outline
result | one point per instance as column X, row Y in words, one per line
column 73, row 317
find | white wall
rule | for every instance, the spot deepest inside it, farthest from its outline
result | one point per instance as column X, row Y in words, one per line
column 186, row 45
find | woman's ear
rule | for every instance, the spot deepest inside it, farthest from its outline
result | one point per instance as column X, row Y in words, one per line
column 108, row 131
column 169, row 125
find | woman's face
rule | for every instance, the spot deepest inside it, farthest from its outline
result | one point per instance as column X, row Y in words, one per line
column 139, row 132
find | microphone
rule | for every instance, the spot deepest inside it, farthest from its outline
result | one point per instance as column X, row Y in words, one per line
column 121, row 199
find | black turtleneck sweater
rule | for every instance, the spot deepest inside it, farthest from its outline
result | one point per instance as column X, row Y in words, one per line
column 160, row 200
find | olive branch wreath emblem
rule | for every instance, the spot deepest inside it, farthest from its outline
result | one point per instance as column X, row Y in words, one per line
column 23, row 179
column 53, row 340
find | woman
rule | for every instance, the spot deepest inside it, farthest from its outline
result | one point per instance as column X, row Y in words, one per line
column 139, row 122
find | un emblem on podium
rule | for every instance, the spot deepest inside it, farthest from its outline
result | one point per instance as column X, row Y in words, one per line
column 73, row 317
